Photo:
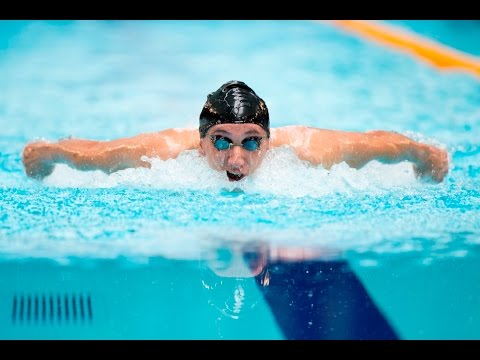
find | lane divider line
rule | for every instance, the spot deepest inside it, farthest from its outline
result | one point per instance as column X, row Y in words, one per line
column 439, row 55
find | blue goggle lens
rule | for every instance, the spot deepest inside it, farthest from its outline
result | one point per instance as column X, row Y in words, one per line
column 221, row 144
column 249, row 144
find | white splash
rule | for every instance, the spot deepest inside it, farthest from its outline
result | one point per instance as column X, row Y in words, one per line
column 281, row 173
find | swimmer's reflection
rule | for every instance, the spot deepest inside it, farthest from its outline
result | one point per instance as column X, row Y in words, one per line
column 313, row 293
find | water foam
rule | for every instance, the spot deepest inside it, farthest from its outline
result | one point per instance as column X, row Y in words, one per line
column 280, row 174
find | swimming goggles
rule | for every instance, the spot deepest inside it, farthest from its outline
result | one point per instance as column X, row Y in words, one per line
column 221, row 143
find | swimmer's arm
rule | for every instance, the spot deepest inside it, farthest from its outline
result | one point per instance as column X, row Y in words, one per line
column 329, row 147
column 39, row 158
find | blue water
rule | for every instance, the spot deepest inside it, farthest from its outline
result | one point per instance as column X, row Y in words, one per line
column 413, row 246
column 459, row 34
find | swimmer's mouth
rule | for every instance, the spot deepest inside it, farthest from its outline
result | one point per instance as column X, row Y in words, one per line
column 234, row 177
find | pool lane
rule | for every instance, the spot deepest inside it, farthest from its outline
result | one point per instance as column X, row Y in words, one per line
column 439, row 55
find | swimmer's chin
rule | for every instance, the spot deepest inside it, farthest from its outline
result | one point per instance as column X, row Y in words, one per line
column 234, row 177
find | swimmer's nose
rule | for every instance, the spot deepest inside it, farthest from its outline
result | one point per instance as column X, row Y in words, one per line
column 236, row 158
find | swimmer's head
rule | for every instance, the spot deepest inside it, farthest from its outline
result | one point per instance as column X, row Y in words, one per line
column 231, row 274
column 234, row 103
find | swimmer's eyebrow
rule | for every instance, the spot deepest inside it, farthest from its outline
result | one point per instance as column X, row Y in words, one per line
column 248, row 133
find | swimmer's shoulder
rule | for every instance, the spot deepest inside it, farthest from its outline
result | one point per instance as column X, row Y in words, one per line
column 292, row 135
column 179, row 133
column 174, row 140
column 187, row 138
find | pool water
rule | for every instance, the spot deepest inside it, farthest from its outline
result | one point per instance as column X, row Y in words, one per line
column 150, row 252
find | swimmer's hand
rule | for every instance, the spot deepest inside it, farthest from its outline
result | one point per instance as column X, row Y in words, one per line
column 431, row 163
column 37, row 159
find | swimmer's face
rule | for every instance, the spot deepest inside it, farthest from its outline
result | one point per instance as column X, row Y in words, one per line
column 236, row 161
column 239, row 260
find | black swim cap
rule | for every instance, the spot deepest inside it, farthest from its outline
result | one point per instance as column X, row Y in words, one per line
column 234, row 103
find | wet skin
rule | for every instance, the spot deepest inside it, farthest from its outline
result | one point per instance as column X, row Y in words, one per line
column 236, row 161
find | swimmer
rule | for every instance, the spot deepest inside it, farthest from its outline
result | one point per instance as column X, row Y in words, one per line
column 234, row 135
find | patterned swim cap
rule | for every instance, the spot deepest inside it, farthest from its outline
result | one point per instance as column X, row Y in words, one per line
column 234, row 103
